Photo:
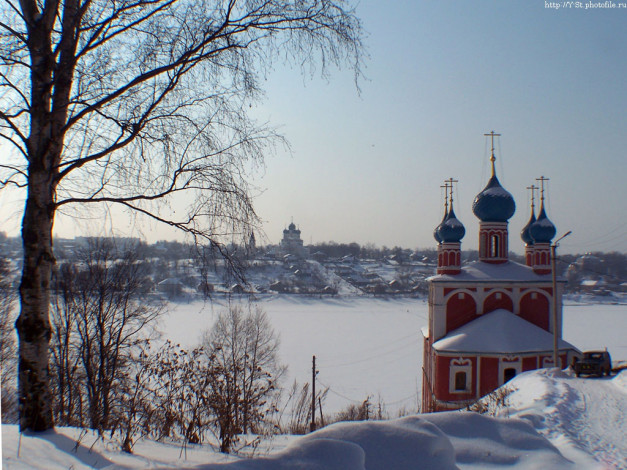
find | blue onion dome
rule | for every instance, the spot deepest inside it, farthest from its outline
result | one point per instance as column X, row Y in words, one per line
column 292, row 226
column 451, row 230
column 494, row 203
column 524, row 233
column 436, row 231
column 542, row 230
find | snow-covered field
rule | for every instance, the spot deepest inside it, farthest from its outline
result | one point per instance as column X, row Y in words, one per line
column 372, row 347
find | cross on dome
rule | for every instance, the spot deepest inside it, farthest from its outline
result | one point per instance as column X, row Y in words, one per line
column 494, row 203
column 492, row 157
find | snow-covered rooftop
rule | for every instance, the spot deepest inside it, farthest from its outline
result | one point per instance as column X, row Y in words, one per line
column 499, row 332
column 482, row 271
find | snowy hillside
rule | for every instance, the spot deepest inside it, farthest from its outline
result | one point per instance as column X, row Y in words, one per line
column 555, row 421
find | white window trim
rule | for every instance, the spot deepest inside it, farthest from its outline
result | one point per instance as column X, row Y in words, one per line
column 511, row 363
column 460, row 365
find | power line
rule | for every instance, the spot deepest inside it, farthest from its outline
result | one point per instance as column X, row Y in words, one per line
column 381, row 346
column 339, row 394
column 413, row 395
column 375, row 356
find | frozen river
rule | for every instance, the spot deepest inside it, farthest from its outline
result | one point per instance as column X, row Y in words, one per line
column 367, row 347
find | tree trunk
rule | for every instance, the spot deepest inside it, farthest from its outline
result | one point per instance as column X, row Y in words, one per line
column 33, row 324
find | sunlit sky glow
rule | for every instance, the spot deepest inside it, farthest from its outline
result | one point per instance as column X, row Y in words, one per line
column 368, row 167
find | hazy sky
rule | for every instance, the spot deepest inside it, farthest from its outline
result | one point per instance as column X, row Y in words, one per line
column 441, row 74
column 368, row 167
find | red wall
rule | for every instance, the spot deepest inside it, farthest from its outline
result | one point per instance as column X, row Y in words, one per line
column 535, row 310
column 489, row 375
column 442, row 375
column 491, row 303
column 459, row 311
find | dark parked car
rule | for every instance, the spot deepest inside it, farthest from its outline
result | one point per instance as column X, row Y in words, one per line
column 593, row 363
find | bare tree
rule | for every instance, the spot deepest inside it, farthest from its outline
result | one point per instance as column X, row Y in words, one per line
column 67, row 376
column 168, row 396
column 132, row 103
column 100, row 317
column 243, row 348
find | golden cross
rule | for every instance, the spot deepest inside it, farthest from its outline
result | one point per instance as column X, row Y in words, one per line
column 542, row 179
column 493, row 135
column 446, row 186
column 533, row 188
column 451, row 181
column 492, row 157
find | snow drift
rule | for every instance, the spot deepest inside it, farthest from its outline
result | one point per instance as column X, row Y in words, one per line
column 552, row 420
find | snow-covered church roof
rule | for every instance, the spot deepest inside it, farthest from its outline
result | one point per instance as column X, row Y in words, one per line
column 481, row 271
column 499, row 332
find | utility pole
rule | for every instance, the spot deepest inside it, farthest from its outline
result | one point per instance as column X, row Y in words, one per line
column 312, row 426
column 554, row 279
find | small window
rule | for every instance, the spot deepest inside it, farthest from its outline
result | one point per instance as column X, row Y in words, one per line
column 495, row 246
column 509, row 374
column 460, row 296
column 499, row 296
column 460, row 381
column 534, row 295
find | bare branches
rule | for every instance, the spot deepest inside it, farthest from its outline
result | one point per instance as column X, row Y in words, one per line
column 100, row 316
column 134, row 71
column 136, row 103
column 9, row 180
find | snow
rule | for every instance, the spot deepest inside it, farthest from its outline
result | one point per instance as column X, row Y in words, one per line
column 364, row 347
column 509, row 271
column 373, row 347
column 597, row 326
column 553, row 420
column 588, row 416
column 515, row 335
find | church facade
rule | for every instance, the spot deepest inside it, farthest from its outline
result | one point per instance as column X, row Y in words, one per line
column 291, row 243
column 491, row 319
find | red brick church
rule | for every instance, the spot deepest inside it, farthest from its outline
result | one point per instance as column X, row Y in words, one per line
column 491, row 319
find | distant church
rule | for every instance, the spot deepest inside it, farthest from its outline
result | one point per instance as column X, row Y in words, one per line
column 291, row 244
column 491, row 319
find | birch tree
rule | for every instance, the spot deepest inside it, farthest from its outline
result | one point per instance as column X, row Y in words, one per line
column 141, row 104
